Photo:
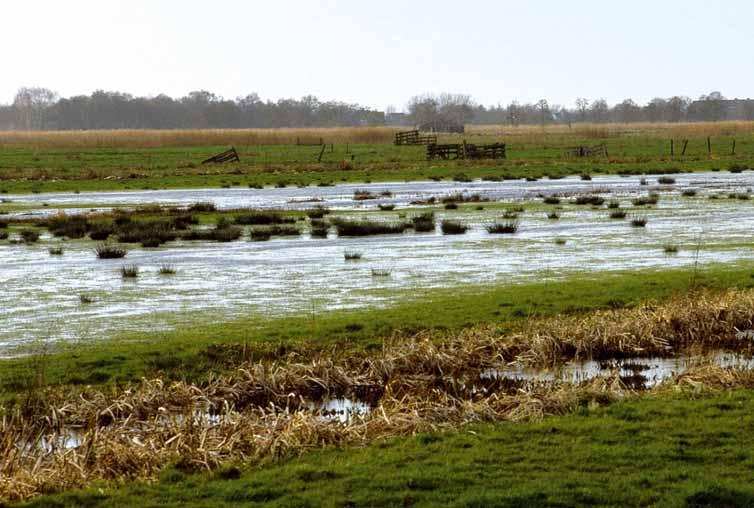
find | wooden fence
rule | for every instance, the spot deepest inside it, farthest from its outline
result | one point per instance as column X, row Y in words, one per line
column 587, row 151
column 227, row 156
column 466, row 151
column 414, row 138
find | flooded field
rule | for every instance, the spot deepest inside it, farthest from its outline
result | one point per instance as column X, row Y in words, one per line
column 41, row 296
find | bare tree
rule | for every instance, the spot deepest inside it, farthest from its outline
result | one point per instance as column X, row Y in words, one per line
column 600, row 111
column 544, row 111
column 32, row 105
column 582, row 106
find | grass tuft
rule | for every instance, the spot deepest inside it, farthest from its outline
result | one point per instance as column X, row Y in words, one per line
column 86, row 298
column 167, row 269
column 670, row 248
column 29, row 235
column 450, row 227
column 109, row 251
column 639, row 222
column 507, row 227
column 346, row 227
column 129, row 271
column 423, row 223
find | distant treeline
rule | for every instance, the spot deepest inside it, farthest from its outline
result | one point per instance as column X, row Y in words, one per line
column 461, row 109
column 43, row 109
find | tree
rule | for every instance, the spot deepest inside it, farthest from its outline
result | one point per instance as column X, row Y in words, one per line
column 456, row 108
column 628, row 111
column 676, row 108
column 544, row 111
column 600, row 111
column 514, row 113
column 710, row 107
column 32, row 105
column 582, row 106
column 423, row 109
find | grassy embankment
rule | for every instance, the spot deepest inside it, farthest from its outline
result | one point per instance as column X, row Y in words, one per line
column 200, row 347
column 652, row 451
column 123, row 160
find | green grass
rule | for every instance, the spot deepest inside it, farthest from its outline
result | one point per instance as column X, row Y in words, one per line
column 192, row 351
column 653, row 451
column 27, row 170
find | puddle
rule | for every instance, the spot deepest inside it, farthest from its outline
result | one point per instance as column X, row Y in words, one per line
column 67, row 438
column 40, row 300
column 340, row 409
column 637, row 373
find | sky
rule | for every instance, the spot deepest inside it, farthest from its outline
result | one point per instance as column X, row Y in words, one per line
column 380, row 53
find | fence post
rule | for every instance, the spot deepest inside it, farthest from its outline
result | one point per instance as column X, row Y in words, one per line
column 685, row 144
column 709, row 146
column 322, row 151
column 733, row 148
column 671, row 147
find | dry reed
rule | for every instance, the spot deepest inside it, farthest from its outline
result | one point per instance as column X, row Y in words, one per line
column 135, row 138
column 426, row 381
column 138, row 138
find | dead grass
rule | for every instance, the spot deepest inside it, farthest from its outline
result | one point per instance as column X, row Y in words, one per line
column 192, row 137
column 427, row 381
column 367, row 135
column 662, row 130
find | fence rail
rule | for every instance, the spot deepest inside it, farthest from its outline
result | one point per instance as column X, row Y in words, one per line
column 227, row 156
column 587, row 151
column 466, row 151
column 414, row 138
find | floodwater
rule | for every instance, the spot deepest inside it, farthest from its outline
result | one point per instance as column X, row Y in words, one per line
column 640, row 373
column 40, row 297
column 340, row 197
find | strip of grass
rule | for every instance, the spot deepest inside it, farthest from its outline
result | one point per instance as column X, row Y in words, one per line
column 196, row 349
column 25, row 170
column 653, row 451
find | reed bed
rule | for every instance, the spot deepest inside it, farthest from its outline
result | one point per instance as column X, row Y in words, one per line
column 418, row 382
column 137, row 138
column 659, row 130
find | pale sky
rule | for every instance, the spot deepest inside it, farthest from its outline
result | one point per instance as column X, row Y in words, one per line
column 381, row 52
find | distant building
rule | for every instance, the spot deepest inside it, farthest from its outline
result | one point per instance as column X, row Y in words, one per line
column 739, row 109
column 725, row 109
column 442, row 126
column 396, row 119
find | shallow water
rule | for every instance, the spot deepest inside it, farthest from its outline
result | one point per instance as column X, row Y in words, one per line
column 215, row 281
column 341, row 197
column 637, row 372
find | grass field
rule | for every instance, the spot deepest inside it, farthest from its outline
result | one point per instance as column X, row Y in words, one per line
column 121, row 160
